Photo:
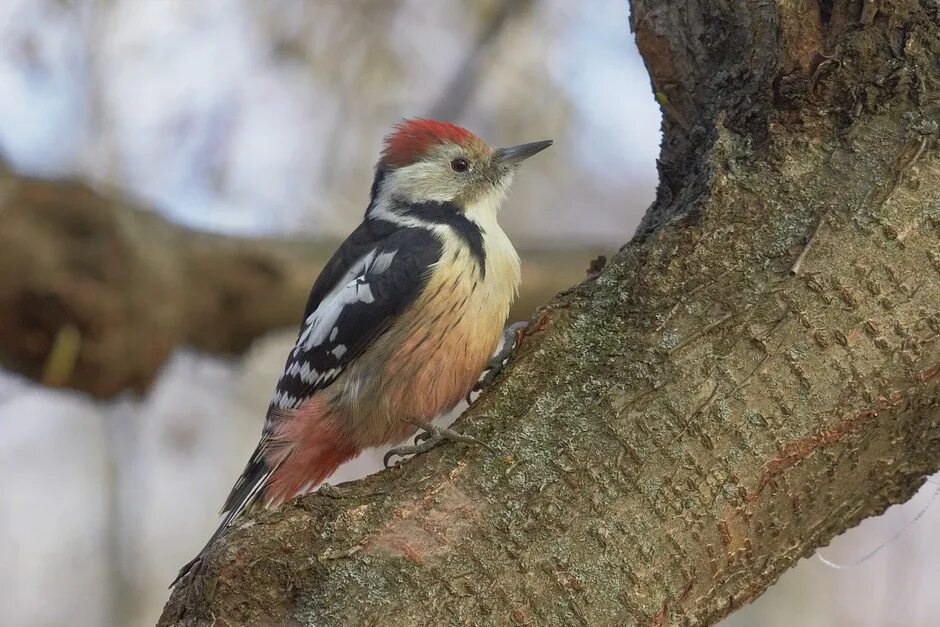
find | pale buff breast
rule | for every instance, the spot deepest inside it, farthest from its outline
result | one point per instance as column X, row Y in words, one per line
column 436, row 350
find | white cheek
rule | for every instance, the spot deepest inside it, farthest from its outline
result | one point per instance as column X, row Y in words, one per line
column 423, row 181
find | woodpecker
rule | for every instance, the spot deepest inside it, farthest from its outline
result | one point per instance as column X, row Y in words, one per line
column 402, row 319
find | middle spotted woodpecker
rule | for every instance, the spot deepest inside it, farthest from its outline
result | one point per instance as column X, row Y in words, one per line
column 402, row 319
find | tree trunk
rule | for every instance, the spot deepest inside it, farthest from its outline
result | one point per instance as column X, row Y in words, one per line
column 96, row 293
column 753, row 374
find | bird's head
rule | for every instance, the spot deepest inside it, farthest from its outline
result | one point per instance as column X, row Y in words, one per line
column 429, row 166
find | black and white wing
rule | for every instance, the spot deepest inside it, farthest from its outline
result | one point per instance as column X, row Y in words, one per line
column 376, row 276
column 373, row 276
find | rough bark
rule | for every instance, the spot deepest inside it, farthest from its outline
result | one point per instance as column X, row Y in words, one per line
column 754, row 373
column 95, row 293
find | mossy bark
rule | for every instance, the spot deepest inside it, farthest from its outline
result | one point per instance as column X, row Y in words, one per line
column 753, row 374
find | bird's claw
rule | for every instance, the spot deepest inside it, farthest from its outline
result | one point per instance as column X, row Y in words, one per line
column 429, row 437
column 498, row 361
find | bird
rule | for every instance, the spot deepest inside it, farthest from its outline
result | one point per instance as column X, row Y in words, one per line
column 401, row 321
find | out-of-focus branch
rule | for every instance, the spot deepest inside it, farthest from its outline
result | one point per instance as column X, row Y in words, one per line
column 96, row 292
column 453, row 101
column 85, row 268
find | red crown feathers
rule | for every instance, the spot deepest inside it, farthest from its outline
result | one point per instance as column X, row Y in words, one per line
column 411, row 139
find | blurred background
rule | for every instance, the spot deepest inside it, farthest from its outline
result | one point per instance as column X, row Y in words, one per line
column 263, row 120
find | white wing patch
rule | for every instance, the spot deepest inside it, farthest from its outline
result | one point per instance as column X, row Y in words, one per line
column 352, row 288
column 383, row 261
column 284, row 400
column 309, row 375
column 303, row 370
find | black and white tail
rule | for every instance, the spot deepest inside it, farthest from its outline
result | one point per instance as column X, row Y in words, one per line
column 244, row 494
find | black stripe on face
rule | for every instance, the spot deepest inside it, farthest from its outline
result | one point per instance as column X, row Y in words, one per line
column 449, row 214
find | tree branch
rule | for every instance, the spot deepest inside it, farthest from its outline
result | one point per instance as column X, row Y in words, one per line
column 685, row 425
column 95, row 293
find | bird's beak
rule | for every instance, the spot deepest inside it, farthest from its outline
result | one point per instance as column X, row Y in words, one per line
column 517, row 154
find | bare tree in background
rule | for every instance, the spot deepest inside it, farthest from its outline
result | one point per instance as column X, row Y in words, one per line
column 753, row 374
column 453, row 101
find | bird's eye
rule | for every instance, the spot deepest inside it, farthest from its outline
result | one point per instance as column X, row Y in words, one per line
column 460, row 164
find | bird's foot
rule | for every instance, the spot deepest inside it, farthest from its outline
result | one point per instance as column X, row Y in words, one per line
column 429, row 437
column 498, row 361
